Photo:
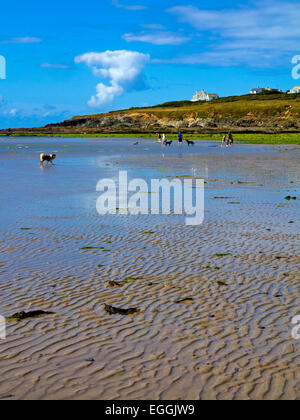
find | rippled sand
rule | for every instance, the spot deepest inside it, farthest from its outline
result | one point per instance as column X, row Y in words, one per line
column 232, row 341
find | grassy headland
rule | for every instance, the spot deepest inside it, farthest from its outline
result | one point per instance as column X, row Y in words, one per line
column 270, row 118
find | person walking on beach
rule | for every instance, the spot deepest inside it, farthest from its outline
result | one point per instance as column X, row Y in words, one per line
column 223, row 141
column 227, row 141
column 159, row 138
column 230, row 139
column 180, row 139
column 164, row 139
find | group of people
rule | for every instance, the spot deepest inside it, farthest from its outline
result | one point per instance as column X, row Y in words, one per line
column 162, row 139
column 227, row 141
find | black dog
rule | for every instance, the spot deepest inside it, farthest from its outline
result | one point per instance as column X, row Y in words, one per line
column 168, row 143
column 190, row 143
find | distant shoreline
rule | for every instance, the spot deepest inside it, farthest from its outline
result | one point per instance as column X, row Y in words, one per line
column 242, row 138
column 266, row 118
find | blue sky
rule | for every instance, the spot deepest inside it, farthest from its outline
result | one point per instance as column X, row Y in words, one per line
column 72, row 58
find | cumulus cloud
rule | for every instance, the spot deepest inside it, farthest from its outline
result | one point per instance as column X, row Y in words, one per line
column 105, row 94
column 121, row 68
column 156, row 38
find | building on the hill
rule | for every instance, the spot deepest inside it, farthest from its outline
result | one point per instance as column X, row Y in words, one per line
column 203, row 96
column 257, row 90
column 273, row 90
column 296, row 89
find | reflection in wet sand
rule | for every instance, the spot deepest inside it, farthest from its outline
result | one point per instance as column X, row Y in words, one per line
column 215, row 302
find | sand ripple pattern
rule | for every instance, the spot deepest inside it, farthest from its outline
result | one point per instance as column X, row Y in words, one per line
column 232, row 341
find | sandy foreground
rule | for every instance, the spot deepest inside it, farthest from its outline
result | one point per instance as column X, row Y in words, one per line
column 229, row 338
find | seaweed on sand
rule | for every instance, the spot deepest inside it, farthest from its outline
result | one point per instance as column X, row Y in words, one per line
column 113, row 311
column 185, row 300
column 130, row 279
column 115, row 284
column 20, row 316
column 90, row 248
column 6, row 396
column 246, row 183
column 222, row 255
column 221, row 283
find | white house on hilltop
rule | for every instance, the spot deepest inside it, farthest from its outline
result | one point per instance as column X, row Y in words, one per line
column 296, row 89
column 203, row 96
column 257, row 90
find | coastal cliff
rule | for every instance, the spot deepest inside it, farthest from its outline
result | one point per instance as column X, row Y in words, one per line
column 273, row 113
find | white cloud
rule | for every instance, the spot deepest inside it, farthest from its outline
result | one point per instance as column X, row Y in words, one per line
column 262, row 34
column 153, row 26
column 260, row 45
column 13, row 112
column 220, row 58
column 21, row 114
column 54, row 66
column 105, row 94
column 116, row 3
column 157, row 38
column 121, row 68
column 276, row 20
column 22, row 40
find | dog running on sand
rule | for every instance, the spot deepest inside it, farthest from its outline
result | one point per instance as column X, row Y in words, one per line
column 168, row 143
column 47, row 158
column 190, row 143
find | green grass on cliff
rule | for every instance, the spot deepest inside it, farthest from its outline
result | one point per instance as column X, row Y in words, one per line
column 264, row 105
column 249, row 117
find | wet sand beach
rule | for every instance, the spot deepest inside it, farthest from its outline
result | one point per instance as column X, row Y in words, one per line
column 216, row 301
